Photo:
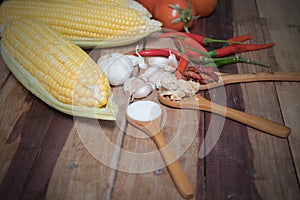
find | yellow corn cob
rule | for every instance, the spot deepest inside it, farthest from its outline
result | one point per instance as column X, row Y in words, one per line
column 97, row 1
column 94, row 1
column 128, row 3
column 43, row 57
column 83, row 20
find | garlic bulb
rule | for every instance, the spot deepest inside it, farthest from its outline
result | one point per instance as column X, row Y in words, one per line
column 143, row 91
column 132, row 84
column 117, row 67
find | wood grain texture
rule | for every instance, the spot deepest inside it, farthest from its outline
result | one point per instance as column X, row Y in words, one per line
column 48, row 155
column 78, row 175
column 273, row 180
column 283, row 25
column 4, row 71
column 40, row 174
column 229, row 165
column 32, row 134
column 12, row 109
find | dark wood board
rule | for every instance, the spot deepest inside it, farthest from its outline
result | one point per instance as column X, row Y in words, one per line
column 43, row 133
column 44, row 157
column 228, row 169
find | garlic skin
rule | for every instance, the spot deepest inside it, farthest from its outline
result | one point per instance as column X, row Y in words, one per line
column 132, row 84
column 160, row 62
column 155, row 77
column 138, row 61
column 143, row 91
column 117, row 67
column 169, row 64
column 149, row 71
column 184, row 89
column 172, row 64
column 169, row 81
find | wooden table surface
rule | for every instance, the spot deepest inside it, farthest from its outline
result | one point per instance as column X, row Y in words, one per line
column 45, row 154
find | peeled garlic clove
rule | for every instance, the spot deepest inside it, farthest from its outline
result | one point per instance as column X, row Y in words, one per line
column 169, row 81
column 132, row 84
column 168, row 64
column 143, row 91
column 172, row 64
column 194, row 85
column 148, row 73
column 155, row 77
column 187, row 88
column 160, row 62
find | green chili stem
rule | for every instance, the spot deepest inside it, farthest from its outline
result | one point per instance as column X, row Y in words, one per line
column 230, row 60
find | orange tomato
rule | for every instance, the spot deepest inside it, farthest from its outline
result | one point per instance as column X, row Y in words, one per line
column 204, row 7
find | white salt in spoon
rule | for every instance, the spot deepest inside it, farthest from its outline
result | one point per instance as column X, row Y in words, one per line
column 147, row 115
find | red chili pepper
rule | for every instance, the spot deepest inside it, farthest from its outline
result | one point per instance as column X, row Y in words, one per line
column 238, row 48
column 182, row 65
column 196, row 37
column 242, row 38
column 153, row 52
column 160, row 52
column 191, row 75
column 183, row 45
column 201, row 73
column 204, row 40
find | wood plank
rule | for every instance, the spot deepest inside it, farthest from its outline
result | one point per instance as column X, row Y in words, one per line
column 263, row 167
column 40, row 174
column 283, row 24
column 229, row 166
column 13, row 103
column 289, row 96
column 4, row 71
column 229, row 163
column 274, row 171
column 79, row 175
column 200, row 175
column 32, row 133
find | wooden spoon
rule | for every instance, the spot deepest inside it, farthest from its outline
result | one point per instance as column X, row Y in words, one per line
column 147, row 115
column 199, row 103
column 244, row 78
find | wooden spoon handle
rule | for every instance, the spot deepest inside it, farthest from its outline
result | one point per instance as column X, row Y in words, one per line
column 179, row 177
column 259, row 123
column 245, row 78
column 263, row 76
